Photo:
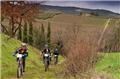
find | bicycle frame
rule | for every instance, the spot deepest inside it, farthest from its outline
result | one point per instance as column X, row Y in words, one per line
column 46, row 61
column 20, row 65
column 55, row 59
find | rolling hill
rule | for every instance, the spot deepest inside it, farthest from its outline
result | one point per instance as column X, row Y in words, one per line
column 109, row 62
column 77, row 11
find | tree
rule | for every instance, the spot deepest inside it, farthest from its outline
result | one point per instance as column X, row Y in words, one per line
column 17, row 12
column 20, row 34
column 39, row 37
column 25, row 33
column 30, row 38
column 42, row 35
column 49, row 33
column 36, row 37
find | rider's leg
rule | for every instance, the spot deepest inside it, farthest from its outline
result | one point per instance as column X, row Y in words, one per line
column 17, row 60
column 50, row 58
column 43, row 59
column 57, row 59
column 48, row 61
column 23, row 64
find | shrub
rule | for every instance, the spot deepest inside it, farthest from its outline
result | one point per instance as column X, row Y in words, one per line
column 79, row 50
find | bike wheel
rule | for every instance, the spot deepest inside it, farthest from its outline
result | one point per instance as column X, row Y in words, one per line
column 46, row 65
column 21, row 69
column 56, row 60
column 18, row 72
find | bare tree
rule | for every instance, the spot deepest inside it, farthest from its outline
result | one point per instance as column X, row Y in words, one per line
column 17, row 13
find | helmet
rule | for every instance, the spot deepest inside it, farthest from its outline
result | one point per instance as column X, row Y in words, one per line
column 46, row 45
column 56, row 49
column 23, row 44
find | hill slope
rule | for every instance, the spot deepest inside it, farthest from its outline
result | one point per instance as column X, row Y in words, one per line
column 77, row 11
column 110, row 64
column 34, row 65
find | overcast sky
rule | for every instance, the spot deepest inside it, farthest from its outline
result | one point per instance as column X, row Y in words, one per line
column 112, row 5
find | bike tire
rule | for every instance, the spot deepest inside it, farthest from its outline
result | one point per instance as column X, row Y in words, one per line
column 46, row 65
column 56, row 60
column 18, row 72
column 21, row 69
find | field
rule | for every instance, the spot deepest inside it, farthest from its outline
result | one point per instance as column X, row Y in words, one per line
column 88, row 24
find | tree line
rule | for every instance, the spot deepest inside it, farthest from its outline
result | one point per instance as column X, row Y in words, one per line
column 36, row 37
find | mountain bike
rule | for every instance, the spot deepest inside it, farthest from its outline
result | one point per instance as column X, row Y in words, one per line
column 55, row 59
column 20, row 65
column 46, row 61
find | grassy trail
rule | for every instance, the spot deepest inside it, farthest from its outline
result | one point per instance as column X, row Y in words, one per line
column 109, row 63
column 34, row 64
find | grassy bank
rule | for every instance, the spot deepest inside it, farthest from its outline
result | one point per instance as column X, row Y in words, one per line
column 110, row 64
column 34, row 65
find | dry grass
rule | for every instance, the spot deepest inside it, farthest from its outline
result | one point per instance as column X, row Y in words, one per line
column 79, row 49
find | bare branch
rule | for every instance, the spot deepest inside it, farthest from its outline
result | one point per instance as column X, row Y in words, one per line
column 4, row 28
column 19, row 25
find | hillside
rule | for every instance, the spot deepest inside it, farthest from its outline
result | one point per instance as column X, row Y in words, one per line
column 109, row 64
column 34, row 65
column 87, row 24
column 77, row 11
column 87, row 39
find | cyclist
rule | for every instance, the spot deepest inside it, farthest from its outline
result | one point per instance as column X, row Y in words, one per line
column 24, row 51
column 46, row 50
column 56, row 54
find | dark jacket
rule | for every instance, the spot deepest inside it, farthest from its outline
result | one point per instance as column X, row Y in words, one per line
column 46, row 51
column 56, row 52
column 22, row 51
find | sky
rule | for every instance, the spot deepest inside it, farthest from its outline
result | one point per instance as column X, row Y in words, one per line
column 112, row 5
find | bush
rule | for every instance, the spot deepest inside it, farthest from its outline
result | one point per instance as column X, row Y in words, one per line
column 80, row 52
column 112, row 44
column 82, row 56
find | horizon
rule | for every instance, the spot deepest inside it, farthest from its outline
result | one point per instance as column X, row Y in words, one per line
column 113, row 6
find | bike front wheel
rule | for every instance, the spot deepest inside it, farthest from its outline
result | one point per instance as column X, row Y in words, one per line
column 19, row 72
column 46, row 65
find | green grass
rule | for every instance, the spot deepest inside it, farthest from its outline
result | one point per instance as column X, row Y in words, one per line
column 110, row 63
column 34, row 65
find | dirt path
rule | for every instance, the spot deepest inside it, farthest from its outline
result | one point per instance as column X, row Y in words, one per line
column 103, row 32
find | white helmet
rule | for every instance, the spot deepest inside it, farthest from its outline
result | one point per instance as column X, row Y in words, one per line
column 46, row 45
column 23, row 44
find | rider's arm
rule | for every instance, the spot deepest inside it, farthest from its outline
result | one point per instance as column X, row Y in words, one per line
column 26, row 53
column 49, row 51
column 43, row 51
column 15, row 52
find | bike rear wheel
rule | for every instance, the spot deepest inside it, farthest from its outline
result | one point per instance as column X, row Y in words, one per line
column 46, row 65
column 55, row 60
column 19, row 71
